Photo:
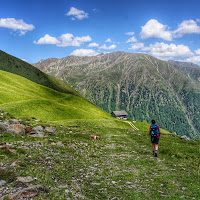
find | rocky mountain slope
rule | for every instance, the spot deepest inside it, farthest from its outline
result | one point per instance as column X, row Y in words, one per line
column 140, row 84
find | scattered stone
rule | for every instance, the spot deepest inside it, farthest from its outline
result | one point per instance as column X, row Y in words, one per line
column 14, row 121
column 51, row 130
column 29, row 129
column 66, row 191
column 75, row 185
column 2, row 183
column 37, row 120
column 38, row 130
column 129, row 182
column 21, row 185
column 26, row 179
column 113, row 182
column 182, row 196
column 3, row 127
column 16, row 129
column 29, row 192
column 4, row 146
column 184, row 188
column 184, row 137
column 14, row 164
column 57, row 144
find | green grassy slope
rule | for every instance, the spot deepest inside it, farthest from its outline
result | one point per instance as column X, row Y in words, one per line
column 16, row 66
column 24, row 98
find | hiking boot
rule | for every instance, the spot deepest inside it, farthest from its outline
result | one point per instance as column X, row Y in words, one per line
column 153, row 153
column 156, row 154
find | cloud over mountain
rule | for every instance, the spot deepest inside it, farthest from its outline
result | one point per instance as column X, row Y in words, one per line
column 64, row 40
column 113, row 46
column 168, row 51
column 155, row 29
column 84, row 52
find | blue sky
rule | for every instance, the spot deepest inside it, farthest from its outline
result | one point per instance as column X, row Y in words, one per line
column 39, row 29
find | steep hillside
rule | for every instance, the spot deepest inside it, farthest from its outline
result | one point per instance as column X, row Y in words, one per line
column 140, row 84
column 190, row 69
column 16, row 66
column 24, row 98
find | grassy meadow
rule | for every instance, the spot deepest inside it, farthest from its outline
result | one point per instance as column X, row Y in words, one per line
column 24, row 98
column 119, row 165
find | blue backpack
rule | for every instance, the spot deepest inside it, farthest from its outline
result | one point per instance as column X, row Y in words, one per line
column 154, row 130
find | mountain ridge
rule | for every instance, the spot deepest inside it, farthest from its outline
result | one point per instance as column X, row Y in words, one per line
column 144, row 86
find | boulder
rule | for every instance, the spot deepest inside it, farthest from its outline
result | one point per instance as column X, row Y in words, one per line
column 16, row 129
column 2, row 182
column 3, row 127
column 39, row 130
column 28, row 192
column 51, row 130
column 184, row 137
column 14, row 121
column 26, row 179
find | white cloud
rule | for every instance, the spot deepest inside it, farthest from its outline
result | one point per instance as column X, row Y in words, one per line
column 64, row 40
column 155, row 29
column 94, row 44
column 129, row 33
column 69, row 40
column 84, row 52
column 132, row 39
column 15, row 25
column 168, row 51
column 137, row 46
column 108, row 48
column 108, row 40
column 197, row 51
column 187, row 27
column 193, row 59
column 77, row 14
column 47, row 39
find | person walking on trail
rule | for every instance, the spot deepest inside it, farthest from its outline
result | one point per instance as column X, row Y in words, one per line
column 154, row 132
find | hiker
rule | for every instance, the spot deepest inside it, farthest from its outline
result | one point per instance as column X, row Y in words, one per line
column 154, row 132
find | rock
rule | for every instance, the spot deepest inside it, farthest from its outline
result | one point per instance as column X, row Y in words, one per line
column 184, row 137
column 16, row 129
column 182, row 196
column 40, row 135
column 113, row 182
column 3, row 127
column 29, row 129
column 58, row 144
column 2, row 182
column 13, row 121
column 29, row 192
column 26, row 179
column 51, row 130
column 4, row 146
column 14, row 164
column 37, row 120
column 66, row 191
column 38, row 130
